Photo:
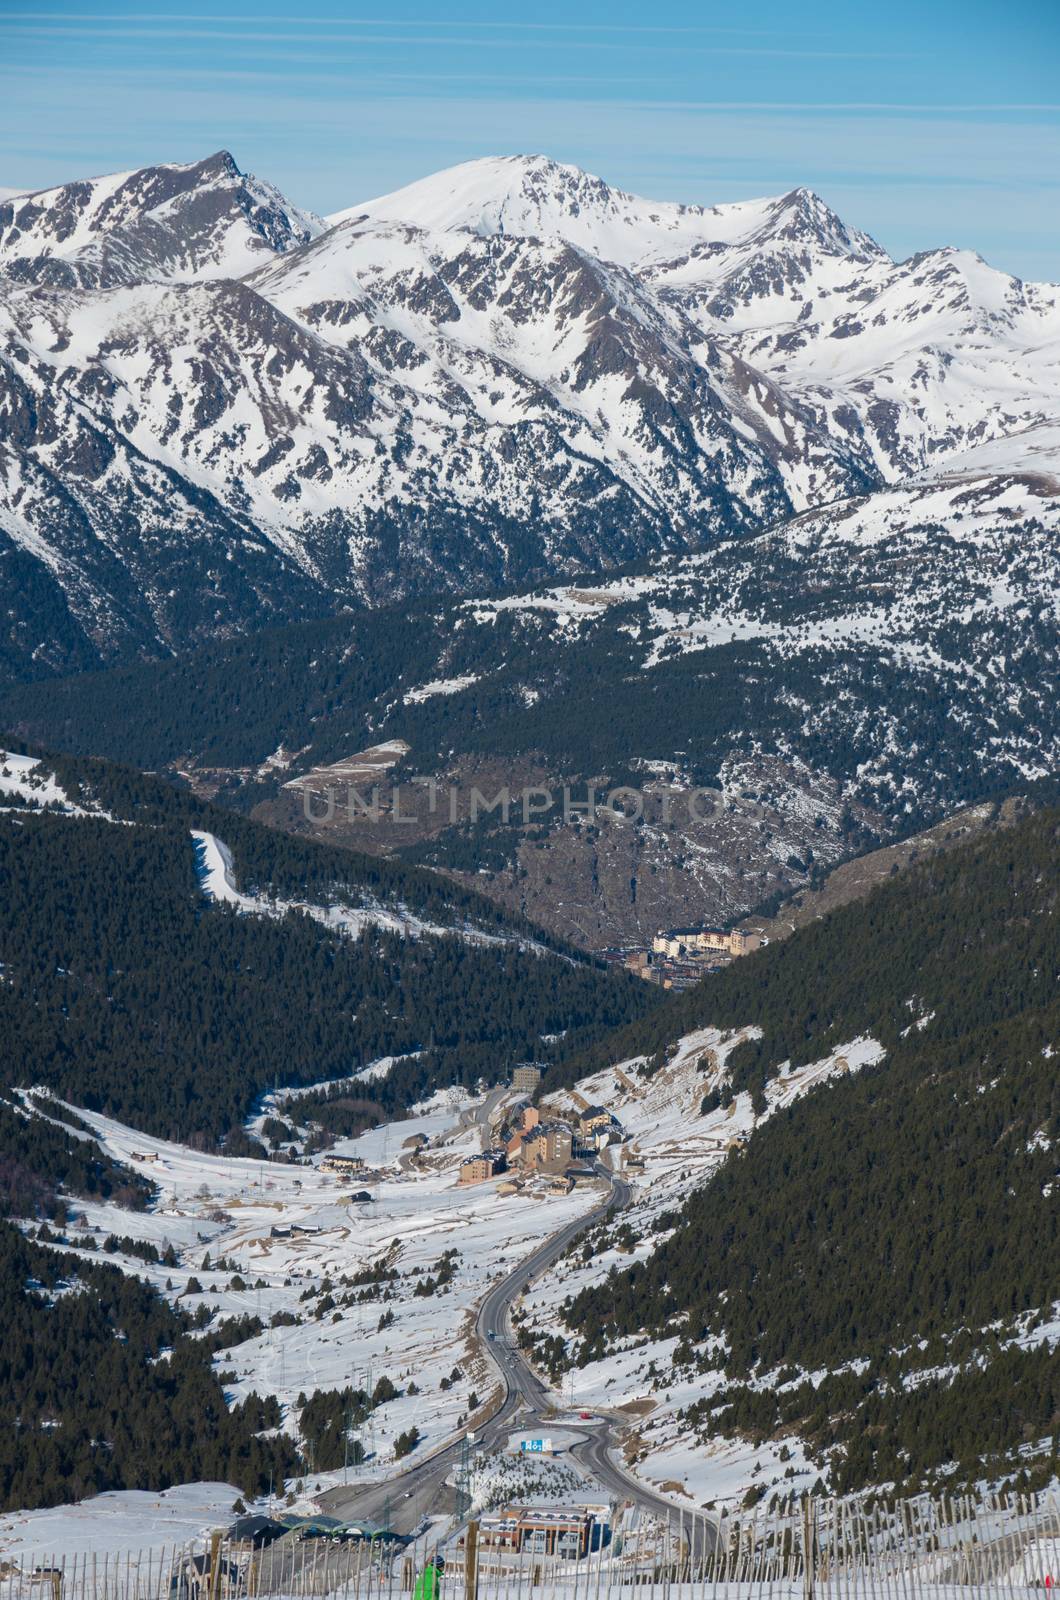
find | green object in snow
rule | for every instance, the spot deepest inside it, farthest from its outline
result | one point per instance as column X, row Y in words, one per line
column 427, row 1584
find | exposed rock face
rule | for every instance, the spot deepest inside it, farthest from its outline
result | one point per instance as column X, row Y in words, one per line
column 218, row 411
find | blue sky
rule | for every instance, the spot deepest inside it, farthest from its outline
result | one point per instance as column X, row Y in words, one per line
column 930, row 123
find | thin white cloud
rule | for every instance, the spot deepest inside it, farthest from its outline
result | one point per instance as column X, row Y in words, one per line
column 897, row 108
column 82, row 29
column 492, row 26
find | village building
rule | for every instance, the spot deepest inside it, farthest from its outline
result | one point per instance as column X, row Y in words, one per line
column 526, row 1078
column 597, row 1128
column 554, row 1531
column 341, row 1166
column 476, row 1169
column 548, row 1145
column 525, row 1124
column 707, row 941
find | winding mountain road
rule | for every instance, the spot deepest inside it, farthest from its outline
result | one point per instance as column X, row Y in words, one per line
column 403, row 1500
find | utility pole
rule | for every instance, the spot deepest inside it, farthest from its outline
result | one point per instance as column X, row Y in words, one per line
column 463, row 1478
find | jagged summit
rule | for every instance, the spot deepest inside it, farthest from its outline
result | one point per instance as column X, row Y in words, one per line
column 179, row 219
column 801, row 215
column 507, row 372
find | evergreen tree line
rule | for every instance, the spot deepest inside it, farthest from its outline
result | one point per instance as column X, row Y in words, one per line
column 902, row 1203
column 127, row 992
column 278, row 864
column 946, row 936
column 104, row 1386
column 322, row 684
column 995, row 1416
column 41, row 1163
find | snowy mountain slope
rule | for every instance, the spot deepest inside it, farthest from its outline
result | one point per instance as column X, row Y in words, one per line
column 830, row 1288
column 909, row 361
column 536, row 197
column 856, row 672
column 216, row 873
column 1032, row 454
column 216, row 413
column 205, row 219
column 523, row 334
column 899, row 360
column 675, row 1147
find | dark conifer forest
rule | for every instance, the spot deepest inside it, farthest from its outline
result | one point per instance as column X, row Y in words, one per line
column 904, row 1217
column 125, row 990
column 104, row 1386
column 128, row 992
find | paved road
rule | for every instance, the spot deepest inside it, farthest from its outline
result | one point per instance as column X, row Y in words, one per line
column 524, row 1391
column 410, row 1495
column 526, row 1398
column 407, row 1497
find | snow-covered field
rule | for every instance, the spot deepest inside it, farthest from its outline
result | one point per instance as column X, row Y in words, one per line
column 264, row 1238
column 290, row 1235
column 127, row 1519
column 26, row 778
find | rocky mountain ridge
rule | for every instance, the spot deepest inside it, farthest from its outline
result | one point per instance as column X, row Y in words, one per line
column 220, row 412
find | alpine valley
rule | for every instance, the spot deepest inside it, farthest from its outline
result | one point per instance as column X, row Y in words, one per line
column 349, row 568
column 450, row 473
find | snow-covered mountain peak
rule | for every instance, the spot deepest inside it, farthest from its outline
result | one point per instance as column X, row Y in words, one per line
column 178, row 220
column 508, row 371
column 536, row 197
column 802, row 217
